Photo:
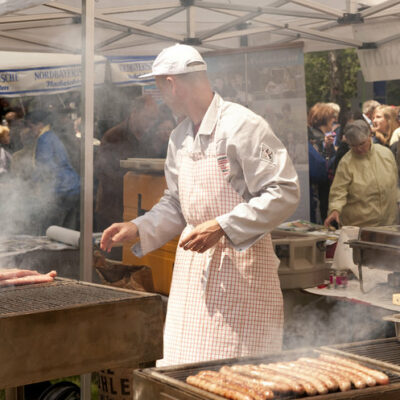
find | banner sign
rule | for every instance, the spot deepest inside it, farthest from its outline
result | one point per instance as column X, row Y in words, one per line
column 45, row 80
column 381, row 64
column 126, row 70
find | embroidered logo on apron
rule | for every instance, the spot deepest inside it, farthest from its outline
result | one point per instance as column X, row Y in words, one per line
column 266, row 153
column 223, row 164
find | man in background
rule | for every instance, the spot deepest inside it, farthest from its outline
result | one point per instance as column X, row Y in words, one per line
column 56, row 183
column 125, row 140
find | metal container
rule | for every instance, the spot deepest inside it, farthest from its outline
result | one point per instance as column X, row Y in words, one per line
column 377, row 247
column 68, row 328
column 302, row 259
column 396, row 319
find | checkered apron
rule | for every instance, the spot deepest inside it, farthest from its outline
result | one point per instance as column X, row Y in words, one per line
column 238, row 309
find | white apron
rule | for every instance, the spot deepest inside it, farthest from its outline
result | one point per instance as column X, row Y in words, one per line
column 238, row 309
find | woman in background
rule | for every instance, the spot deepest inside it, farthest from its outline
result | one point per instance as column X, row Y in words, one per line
column 363, row 192
column 385, row 123
column 321, row 118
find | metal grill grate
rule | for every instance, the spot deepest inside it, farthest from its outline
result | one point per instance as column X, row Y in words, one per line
column 177, row 375
column 55, row 296
column 181, row 375
column 386, row 352
column 382, row 352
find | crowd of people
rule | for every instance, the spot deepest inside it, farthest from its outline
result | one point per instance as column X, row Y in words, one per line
column 40, row 163
column 354, row 164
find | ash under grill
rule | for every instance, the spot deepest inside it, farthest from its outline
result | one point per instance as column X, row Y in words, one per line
column 57, row 295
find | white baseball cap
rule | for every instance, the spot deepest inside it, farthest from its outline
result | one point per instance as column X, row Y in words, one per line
column 175, row 60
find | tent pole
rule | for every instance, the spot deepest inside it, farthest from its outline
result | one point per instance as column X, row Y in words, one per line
column 351, row 6
column 86, row 247
column 86, row 244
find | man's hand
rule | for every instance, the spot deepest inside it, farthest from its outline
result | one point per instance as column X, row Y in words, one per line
column 333, row 216
column 202, row 237
column 117, row 233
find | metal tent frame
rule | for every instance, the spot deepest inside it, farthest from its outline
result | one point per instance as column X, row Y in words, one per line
column 146, row 26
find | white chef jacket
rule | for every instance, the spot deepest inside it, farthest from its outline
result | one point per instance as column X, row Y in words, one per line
column 252, row 159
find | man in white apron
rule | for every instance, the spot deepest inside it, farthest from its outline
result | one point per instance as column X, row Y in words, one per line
column 230, row 182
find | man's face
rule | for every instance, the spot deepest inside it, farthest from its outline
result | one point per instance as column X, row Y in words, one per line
column 146, row 117
column 362, row 147
column 167, row 88
column 35, row 128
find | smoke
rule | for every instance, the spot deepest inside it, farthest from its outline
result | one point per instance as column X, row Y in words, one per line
column 23, row 207
column 24, row 214
column 313, row 321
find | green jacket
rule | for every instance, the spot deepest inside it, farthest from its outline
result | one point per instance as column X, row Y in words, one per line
column 364, row 188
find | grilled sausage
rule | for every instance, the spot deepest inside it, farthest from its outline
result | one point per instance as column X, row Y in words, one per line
column 308, row 387
column 261, row 373
column 230, row 383
column 379, row 376
column 219, row 389
column 369, row 380
column 357, row 381
column 313, row 383
column 15, row 273
column 256, row 383
column 30, row 279
column 330, row 382
column 343, row 381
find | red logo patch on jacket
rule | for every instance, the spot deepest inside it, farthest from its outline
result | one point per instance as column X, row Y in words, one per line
column 266, row 153
column 223, row 164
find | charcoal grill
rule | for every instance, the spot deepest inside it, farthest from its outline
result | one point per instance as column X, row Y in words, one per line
column 67, row 327
column 169, row 383
column 377, row 247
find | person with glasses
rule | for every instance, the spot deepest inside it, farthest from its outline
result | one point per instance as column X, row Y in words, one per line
column 363, row 192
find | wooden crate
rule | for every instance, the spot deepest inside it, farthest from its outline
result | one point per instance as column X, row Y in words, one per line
column 150, row 188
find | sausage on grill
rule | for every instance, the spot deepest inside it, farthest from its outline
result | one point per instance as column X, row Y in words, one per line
column 357, row 381
column 256, row 383
column 261, row 373
column 219, row 389
column 343, row 381
column 15, row 273
column 379, row 376
column 221, row 379
column 323, row 376
column 313, row 383
column 27, row 280
column 367, row 379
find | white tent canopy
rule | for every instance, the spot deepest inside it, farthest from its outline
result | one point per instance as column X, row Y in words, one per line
column 143, row 27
